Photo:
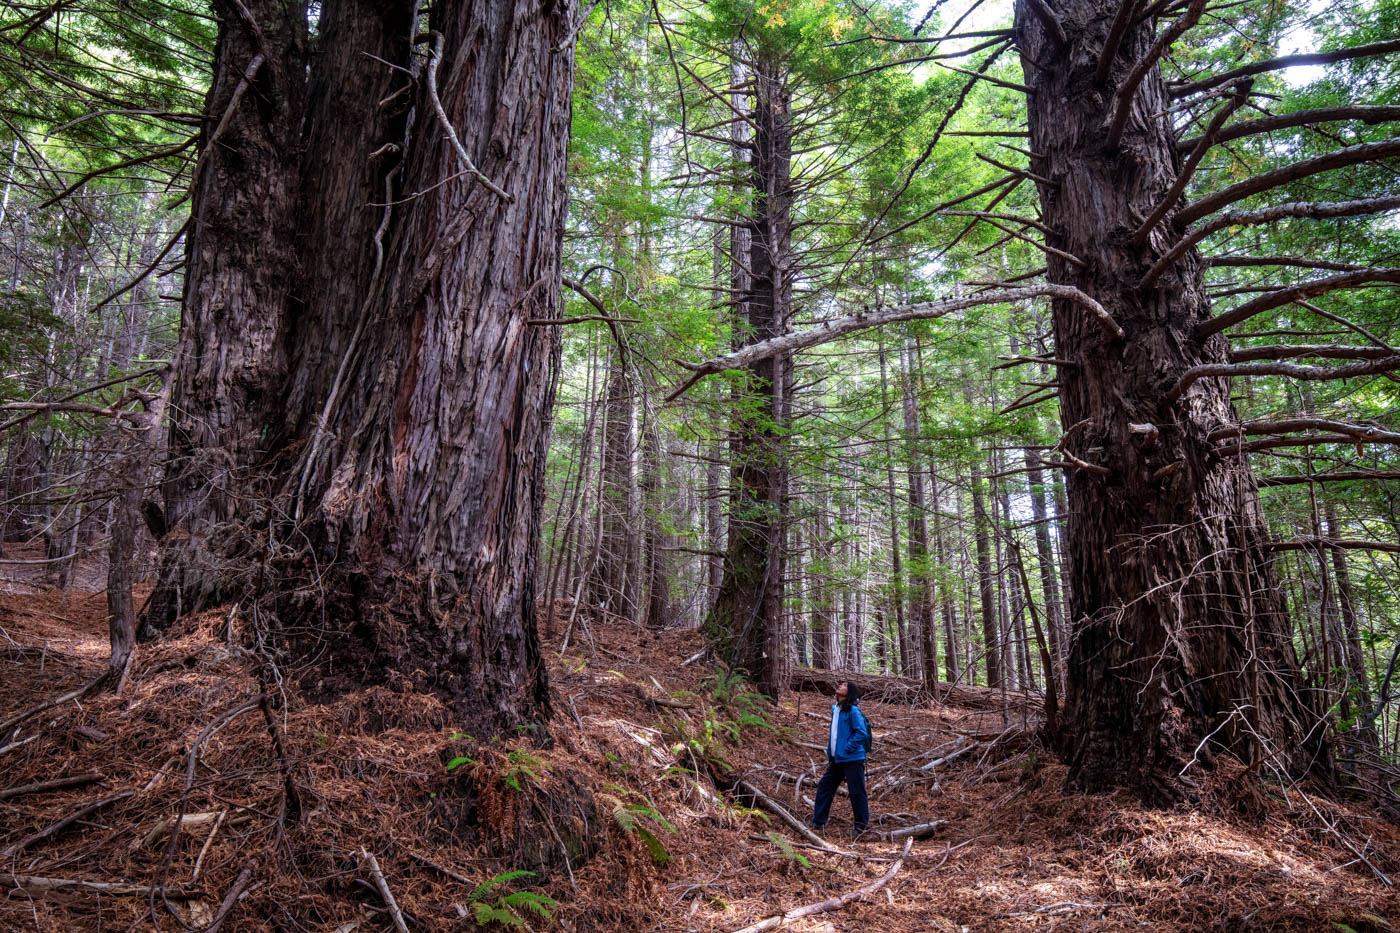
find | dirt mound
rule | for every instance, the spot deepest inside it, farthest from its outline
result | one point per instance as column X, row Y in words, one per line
column 283, row 802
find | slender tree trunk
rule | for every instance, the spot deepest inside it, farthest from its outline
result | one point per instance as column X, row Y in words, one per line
column 1181, row 640
column 921, row 614
column 608, row 586
column 899, row 650
column 991, row 641
column 746, row 620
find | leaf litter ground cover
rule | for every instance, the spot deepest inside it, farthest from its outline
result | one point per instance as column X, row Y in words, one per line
column 656, row 741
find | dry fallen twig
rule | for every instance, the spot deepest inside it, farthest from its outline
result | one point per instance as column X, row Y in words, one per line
column 384, row 891
column 63, row 783
column 831, row 903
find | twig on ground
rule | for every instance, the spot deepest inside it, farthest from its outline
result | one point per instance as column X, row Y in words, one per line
column 59, row 826
column 63, row 783
column 231, row 898
column 831, row 903
column 384, row 891
column 115, row 888
column 208, row 841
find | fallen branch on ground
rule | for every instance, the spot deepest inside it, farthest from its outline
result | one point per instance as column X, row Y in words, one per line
column 744, row 788
column 384, row 891
column 921, row 831
column 114, row 888
column 231, row 898
column 832, row 903
column 63, row 783
column 55, row 828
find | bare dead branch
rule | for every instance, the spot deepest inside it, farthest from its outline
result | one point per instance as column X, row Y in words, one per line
column 1313, row 210
column 1323, row 350
column 1336, row 476
column 1345, row 544
column 1127, row 12
column 1193, row 161
column 831, row 903
column 1293, row 370
column 1366, row 432
column 1123, row 99
column 831, row 330
column 1298, row 261
column 462, row 156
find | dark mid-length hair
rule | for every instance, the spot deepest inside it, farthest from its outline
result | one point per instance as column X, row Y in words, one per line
column 852, row 697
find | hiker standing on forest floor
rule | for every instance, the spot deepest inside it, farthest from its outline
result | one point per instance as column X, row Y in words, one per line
column 847, row 742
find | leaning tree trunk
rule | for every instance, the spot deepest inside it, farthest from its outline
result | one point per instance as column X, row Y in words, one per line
column 1180, row 640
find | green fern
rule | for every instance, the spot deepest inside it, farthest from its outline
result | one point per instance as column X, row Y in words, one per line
column 540, row 904
column 788, row 851
column 487, row 914
column 523, row 765
column 630, row 818
column 509, row 909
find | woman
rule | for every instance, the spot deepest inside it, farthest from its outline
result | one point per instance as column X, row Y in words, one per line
column 846, row 744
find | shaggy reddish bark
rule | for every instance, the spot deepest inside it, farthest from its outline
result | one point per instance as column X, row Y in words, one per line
column 1179, row 636
column 388, row 473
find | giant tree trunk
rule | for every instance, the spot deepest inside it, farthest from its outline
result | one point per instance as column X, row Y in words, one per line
column 1180, row 638
column 240, row 257
column 403, row 469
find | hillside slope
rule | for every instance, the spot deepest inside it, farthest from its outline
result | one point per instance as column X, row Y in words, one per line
column 663, row 847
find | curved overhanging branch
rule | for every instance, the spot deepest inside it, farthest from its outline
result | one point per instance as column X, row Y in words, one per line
column 837, row 328
column 1344, row 544
column 1236, row 100
column 1286, row 61
column 1339, row 158
column 1313, row 210
column 1293, row 370
column 1282, row 296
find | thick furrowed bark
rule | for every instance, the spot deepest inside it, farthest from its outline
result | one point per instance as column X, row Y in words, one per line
column 239, row 253
column 1179, row 642
column 390, row 484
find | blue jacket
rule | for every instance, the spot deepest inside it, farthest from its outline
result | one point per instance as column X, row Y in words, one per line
column 852, row 729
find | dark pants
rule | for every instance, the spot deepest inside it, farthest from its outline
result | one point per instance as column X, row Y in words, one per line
column 853, row 773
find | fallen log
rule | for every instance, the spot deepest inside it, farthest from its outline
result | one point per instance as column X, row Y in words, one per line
column 921, row 831
column 831, row 903
column 887, row 688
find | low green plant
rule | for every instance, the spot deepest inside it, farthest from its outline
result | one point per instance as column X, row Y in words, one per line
column 786, row 847
column 523, row 766
column 508, row 909
column 633, row 817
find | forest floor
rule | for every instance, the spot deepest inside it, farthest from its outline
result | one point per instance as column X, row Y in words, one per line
column 1016, row 851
